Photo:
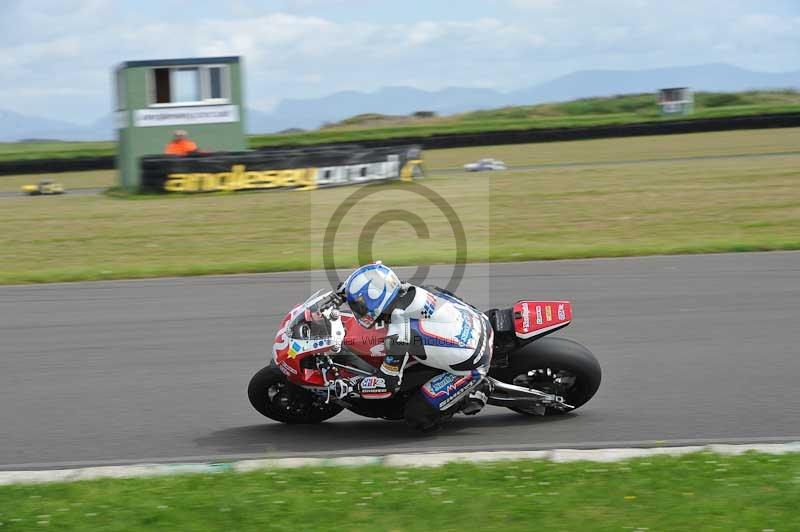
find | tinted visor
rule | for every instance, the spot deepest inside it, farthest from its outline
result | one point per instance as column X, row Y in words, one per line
column 361, row 312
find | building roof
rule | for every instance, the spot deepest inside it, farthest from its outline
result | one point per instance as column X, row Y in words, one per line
column 186, row 61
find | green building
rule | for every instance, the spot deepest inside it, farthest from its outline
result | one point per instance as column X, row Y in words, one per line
column 202, row 96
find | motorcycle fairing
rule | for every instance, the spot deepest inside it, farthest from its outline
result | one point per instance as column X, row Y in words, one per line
column 444, row 390
column 289, row 352
column 365, row 342
column 537, row 318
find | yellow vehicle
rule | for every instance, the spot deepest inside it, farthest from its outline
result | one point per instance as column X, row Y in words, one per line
column 45, row 187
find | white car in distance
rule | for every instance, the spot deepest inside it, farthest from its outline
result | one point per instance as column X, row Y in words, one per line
column 485, row 164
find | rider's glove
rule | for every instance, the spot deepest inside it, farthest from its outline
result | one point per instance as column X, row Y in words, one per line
column 338, row 295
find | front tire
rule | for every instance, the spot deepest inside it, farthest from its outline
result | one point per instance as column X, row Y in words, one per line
column 276, row 398
column 554, row 365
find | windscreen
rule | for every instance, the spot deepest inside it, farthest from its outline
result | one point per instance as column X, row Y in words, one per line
column 310, row 324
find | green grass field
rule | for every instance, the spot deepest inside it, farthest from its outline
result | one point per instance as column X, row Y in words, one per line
column 739, row 194
column 623, row 109
column 696, row 492
column 11, row 151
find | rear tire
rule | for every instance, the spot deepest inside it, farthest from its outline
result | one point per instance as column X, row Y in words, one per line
column 276, row 398
column 561, row 366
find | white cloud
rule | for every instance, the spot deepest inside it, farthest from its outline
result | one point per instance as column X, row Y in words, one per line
column 70, row 47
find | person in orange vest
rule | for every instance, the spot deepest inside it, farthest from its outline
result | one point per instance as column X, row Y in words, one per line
column 180, row 144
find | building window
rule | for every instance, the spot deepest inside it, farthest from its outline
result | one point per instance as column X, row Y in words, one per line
column 189, row 85
column 163, row 92
column 215, row 82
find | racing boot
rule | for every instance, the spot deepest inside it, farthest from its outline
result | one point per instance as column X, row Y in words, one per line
column 476, row 399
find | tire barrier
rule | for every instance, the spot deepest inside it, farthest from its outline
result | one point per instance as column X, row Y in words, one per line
column 665, row 127
column 56, row 164
column 462, row 140
column 281, row 168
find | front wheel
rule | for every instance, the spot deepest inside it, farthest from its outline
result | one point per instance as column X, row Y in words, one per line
column 553, row 365
column 276, row 398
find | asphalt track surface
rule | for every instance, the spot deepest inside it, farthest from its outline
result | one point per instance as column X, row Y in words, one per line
column 695, row 349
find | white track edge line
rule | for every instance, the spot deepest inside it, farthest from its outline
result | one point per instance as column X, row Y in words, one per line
column 389, row 460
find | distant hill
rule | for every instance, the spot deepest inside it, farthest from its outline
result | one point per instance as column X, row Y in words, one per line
column 714, row 77
column 314, row 112
column 311, row 113
column 634, row 107
column 17, row 126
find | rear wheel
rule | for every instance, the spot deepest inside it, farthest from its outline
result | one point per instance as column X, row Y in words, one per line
column 553, row 365
column 276, row 398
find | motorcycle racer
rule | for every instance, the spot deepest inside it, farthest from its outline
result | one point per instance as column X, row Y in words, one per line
column 435, row 328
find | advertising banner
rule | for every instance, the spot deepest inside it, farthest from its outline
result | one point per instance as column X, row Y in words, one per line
column 182, row 116
column 280, row 168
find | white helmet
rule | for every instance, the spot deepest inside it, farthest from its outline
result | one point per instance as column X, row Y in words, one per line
column 370, row 290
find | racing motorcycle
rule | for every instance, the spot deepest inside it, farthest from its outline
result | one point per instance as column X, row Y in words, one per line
column 319, row 342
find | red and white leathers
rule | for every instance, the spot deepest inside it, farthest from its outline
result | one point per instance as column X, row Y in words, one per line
column 440, row 331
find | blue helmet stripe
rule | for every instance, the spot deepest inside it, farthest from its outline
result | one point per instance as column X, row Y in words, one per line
column 370, row 302
column 361, row 303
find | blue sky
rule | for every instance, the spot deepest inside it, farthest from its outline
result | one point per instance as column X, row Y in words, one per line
column 56, row 55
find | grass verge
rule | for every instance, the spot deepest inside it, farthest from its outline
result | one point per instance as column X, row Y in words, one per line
column 702, row 491
column 617, row 207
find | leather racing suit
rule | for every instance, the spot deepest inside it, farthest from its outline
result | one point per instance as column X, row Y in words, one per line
column 441, row 331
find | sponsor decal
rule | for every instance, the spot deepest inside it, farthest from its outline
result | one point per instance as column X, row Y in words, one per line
column 467, row 330
column 358, row 173
column 287, row 369
column 374, row 388
column 442, row 383
column 373, row 383
column 276, row 168
column 454, row 397
column 526, row 317
column 179, row 116
column 430, row 306
column 548, row 315
column 390, row 369
column 446, row 389
column 239, row 178
column 295, row 349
